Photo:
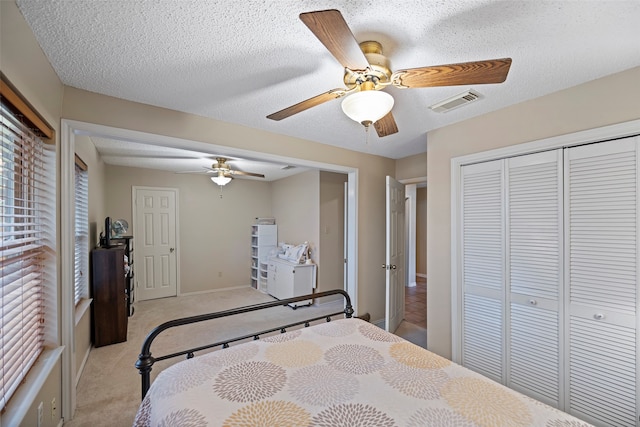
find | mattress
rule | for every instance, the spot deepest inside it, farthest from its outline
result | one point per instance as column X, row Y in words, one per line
column 342, row 373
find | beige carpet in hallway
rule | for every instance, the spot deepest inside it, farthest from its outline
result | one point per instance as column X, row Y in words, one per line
column 108, row 392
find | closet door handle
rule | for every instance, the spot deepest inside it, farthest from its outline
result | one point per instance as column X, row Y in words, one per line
column 533, row 302
column 598, row 316
column 172, row 250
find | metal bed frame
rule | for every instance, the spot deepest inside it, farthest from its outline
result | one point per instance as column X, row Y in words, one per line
column 145, row 360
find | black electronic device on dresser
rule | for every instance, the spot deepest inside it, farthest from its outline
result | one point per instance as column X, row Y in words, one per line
column 112, row 290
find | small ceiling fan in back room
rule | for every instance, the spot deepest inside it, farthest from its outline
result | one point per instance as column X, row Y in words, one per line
column 223, row 172
column 367, row 72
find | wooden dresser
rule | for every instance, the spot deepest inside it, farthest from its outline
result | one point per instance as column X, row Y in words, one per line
column 108, row 285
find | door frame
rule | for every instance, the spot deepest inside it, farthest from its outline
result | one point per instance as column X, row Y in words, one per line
column 68, row 130
column 600, row 134
column 176, row 192
column 411, row 187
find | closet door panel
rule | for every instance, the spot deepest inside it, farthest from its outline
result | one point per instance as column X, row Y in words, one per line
column 482, row 269
column 602, row 239
column 535, row 352
column 602, row 372
column 603, row 208
column 535, row 224
column 483, row 342
column 534, row 274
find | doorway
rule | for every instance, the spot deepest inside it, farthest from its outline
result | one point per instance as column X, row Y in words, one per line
column 69, row 129
column 155, row 258
column 416, row 220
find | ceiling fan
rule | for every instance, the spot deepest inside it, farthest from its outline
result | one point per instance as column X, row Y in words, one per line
column 223, row 171
column 367, row 71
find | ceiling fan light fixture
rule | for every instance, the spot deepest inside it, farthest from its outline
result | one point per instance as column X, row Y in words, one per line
column 221, row 179
column 367, row 107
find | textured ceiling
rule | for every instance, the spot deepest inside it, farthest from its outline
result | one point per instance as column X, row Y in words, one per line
column 240, row 61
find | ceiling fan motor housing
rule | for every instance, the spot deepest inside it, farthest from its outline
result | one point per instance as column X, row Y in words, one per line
column 379, row 72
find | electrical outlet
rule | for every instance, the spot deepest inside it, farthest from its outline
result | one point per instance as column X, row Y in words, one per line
column 40, row 414
column 53, row 409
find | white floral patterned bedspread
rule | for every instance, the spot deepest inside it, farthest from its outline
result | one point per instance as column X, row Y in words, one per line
column 343, row 373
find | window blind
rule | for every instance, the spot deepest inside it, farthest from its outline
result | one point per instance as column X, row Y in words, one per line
column 81, row 253
column 27, row 247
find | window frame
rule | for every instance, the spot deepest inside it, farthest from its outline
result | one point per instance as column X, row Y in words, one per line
column 35, row 183
column 81, row 232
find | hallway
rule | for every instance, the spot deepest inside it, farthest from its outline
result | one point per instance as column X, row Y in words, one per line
column 415, row 303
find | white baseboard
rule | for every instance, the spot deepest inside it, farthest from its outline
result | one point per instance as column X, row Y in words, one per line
column 233, row 288
column 84, row 362
column 411, row 285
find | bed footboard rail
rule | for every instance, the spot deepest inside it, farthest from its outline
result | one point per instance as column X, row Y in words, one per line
column 145, row 360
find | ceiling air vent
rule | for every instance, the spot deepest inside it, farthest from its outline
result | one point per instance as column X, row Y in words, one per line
column 456, row 101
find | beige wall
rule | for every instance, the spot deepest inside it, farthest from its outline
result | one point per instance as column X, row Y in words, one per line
column 331, row 230
column 97, row 195
column 214, row 226
column 609, row 100
column 296, row 208
column 421, row 230
column 49, row 390
column 26, row 67
column 85, row 149
column 412, row 166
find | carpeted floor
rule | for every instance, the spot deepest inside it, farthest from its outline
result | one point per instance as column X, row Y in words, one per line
column 108, row 392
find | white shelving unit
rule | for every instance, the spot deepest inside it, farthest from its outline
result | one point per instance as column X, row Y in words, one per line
column 264, row 238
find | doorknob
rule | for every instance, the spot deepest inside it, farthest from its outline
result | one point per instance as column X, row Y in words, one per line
column 384, row 266
column 172, row 249
column 393, row 267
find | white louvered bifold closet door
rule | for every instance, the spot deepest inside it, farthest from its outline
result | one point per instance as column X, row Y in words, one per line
column 534, row 274
column 602, row 246
column 482, row 268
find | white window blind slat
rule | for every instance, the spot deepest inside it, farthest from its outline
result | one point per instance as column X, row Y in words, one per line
column 81, row 252
column 27, row 248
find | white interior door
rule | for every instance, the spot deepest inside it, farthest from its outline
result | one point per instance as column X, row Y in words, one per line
column 395, row 254
column 345, row 236
column 155, row 258
column 603, row 259
column 482, row 268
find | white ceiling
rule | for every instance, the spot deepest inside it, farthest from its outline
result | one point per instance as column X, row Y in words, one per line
column 240, row 61
column 179, row 160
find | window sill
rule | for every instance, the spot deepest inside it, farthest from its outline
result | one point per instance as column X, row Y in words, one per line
column 82, row 308
column 27, row 393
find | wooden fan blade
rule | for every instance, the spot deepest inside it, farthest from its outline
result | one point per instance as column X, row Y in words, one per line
column 235, row 172
column 311, row 102
column 386, row 125
column 332, row 30
column 466, row 73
